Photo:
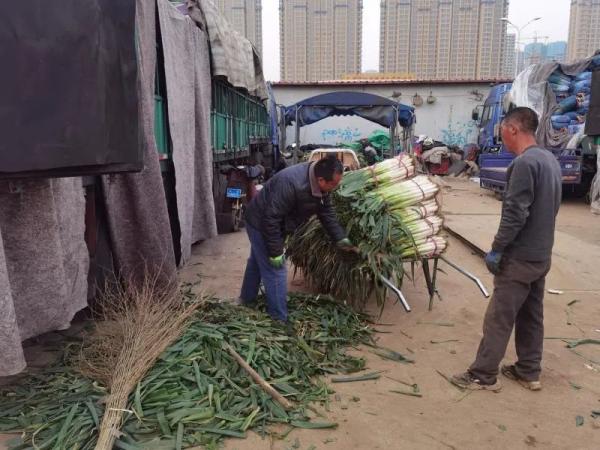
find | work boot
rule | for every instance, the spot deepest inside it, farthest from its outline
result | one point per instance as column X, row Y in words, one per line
column 468, row 381
column 510, row 372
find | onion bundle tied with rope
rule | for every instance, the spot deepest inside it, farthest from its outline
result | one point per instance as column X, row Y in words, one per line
column 391, row 214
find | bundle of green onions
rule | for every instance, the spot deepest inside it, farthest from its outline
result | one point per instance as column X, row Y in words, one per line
column 378, row 175
column 391, row 215
column 419, row 211
column 406, row 193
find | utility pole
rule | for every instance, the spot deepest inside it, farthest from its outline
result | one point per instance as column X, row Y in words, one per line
column 518, row 42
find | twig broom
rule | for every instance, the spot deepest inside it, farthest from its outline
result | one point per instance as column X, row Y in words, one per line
column 140, row 321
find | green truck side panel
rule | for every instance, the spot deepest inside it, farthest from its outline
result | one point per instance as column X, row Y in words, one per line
column 236, row 119
column 160, row 126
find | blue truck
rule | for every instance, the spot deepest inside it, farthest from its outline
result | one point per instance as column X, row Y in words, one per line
column 494, row 158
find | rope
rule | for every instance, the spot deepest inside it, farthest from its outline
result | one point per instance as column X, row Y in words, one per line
column 430, row 224
column 419, row 186
column 401, row 163
column 435, row 247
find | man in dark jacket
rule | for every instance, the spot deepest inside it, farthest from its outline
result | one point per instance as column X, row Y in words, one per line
column 519, row 259
column 285, row 202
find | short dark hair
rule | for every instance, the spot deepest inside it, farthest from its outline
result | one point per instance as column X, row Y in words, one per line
column 524, row 118
column 326, row 167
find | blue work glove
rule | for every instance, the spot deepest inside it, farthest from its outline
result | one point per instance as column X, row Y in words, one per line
column 277, row 261
column 346, row 245
column 492, row 261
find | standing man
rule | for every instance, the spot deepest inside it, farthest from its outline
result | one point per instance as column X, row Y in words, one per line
column 520, row 260
column 286, row 202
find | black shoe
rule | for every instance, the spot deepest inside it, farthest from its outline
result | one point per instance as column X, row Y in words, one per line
column 467, row 381
column 510, row 372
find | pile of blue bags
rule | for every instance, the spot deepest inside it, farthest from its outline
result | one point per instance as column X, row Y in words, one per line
column 573, row 97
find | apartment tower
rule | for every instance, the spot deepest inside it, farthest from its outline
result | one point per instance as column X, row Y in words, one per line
column 246, row 18
column 443, row 39
column 584, row 29
column 320, row 39
column 509, row 64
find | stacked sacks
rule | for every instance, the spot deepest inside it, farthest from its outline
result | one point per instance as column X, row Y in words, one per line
column 391, row 215
column 573, row 97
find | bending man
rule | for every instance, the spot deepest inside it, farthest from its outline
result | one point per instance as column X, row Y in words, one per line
column 286, row 202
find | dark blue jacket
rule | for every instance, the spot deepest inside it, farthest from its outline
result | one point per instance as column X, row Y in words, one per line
column 285, row 203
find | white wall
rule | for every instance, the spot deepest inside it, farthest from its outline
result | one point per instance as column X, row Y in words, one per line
column 447, row 120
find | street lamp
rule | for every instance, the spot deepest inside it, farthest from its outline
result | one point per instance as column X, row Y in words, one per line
column 519, row 29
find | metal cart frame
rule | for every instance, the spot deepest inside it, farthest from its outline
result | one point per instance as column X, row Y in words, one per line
column 431, row 280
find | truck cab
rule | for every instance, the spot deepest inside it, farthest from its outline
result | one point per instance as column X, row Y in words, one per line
column 494, row 158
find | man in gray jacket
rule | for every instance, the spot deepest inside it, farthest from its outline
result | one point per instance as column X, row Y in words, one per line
column 519, row 259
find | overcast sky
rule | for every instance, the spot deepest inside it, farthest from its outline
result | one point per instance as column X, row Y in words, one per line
column 554, row 24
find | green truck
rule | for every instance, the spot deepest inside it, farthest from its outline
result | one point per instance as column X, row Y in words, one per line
column 240, row 125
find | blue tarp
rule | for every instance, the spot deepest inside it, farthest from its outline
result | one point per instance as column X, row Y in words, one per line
column 371, row 107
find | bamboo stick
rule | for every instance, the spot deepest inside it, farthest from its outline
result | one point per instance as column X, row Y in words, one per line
column 258, row 379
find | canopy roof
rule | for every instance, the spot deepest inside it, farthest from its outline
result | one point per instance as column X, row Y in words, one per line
column 371, row 107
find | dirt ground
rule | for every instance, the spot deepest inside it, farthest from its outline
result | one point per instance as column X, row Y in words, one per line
column 372, row 417
column 444, row 417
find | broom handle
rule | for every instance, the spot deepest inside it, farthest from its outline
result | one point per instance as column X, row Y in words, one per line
column 258, row 379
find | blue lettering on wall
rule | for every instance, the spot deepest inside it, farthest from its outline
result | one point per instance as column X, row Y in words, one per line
column 340, row 134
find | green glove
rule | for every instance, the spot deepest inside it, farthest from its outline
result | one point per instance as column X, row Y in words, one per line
column 277, row 261
column 346, row 245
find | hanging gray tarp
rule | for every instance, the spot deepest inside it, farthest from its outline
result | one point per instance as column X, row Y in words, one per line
column 136, row 206
column 67, row 88
column 43, row 256
column 371, row 107
column 43, row 262
column 187, row 72
column 232, row 55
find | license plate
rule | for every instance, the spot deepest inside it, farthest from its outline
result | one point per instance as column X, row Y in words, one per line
column 234, row 193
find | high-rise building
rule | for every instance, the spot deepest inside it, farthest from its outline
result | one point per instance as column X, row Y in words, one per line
column 394, row 36
column 492, row 33
column 246, row 18
column 557, row 51
column 320, row 39
column 584, row 29
column 535, row 53
column 538, row 52
column 443, row 39
column 510, row 56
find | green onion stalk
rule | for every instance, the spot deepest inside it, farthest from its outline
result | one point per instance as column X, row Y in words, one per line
column 426, row 248
column 415, row 212
column 427, row 227
column 406, row 193
column 378, row 175
column 391, row 221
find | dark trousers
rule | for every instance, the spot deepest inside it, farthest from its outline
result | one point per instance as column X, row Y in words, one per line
column 517, row 302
